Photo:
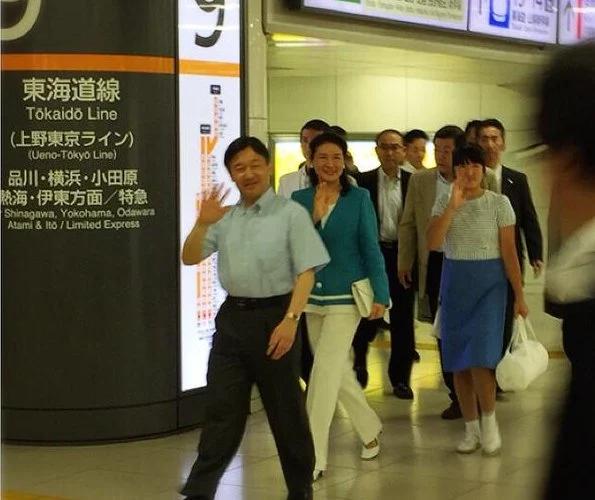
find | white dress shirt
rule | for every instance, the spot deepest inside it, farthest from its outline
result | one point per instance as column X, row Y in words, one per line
column 407, row 167
column 390, row 205
column 443, row 187
column 293, row 181
column 498, row 173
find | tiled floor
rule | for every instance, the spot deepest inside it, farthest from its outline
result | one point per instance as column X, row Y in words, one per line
column 417, row 460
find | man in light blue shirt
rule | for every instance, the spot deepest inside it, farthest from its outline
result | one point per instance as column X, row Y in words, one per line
column 268, row 253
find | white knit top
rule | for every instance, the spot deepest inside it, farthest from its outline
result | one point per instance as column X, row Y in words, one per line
column 474, row 229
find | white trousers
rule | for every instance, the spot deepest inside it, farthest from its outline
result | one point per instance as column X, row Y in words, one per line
column 333, row 379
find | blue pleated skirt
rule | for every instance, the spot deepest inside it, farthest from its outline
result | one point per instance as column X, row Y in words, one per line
column 472, row 309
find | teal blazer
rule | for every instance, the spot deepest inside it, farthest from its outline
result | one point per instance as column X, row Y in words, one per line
column 351, row 238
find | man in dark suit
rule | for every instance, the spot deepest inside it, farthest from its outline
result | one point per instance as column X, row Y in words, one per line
column 388, row 188
column 513, row 184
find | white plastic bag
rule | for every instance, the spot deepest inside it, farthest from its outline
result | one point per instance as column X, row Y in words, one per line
column 525, row 359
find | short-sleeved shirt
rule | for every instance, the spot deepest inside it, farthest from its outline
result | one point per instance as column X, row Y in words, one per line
column 262, row 248
column 474, row 229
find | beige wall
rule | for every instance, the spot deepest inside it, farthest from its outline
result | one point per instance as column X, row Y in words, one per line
column 371, row 103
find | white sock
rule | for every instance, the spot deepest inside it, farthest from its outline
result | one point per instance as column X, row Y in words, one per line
column 488, row 422
column 472, row 427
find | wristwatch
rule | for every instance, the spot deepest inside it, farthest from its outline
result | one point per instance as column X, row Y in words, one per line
column 293, row 316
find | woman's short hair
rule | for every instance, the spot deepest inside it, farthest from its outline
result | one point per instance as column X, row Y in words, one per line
column 329, row 138
column 470, row 153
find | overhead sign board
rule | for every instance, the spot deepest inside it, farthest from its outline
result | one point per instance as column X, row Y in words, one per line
column 576, row 21
column 529, row 20
column 450, row 14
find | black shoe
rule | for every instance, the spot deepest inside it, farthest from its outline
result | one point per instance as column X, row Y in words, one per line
column 301, row 495
column 361, row 374
column 416, row 357
column 403, row 391
column 453, row 412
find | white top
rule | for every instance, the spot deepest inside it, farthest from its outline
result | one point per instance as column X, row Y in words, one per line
column 474, row 229
column 390, row 205
column 324, row 220
column 571, row 273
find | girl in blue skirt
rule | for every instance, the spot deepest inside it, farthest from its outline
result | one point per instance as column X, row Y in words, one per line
column 476, row 229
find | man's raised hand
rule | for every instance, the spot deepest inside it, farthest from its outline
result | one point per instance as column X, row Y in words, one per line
column 212, row 209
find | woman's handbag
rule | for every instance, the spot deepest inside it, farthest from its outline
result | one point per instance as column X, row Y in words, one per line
column 363, row 294
column 525, row 359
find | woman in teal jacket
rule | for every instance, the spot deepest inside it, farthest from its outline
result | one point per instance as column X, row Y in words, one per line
column 345, row 218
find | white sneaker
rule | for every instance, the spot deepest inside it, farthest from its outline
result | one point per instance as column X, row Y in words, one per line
column 370, row 453
column 470, row 444
column 492, row 443
column 317, row 474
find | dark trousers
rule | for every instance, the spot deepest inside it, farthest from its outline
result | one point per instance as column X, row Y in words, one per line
column 401, row 326
column 238, row 360
column 307, row 358
column 572, row 468
column 433, row 280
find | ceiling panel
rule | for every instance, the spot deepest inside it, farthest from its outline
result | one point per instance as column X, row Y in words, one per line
column 310, row 57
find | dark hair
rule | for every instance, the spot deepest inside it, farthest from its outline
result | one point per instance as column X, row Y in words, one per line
column 472, row 125
column 567, row 104
column 415, row 134
column 471, row 153
column 315, row 124
column 492, row 122
column 453, row 132
column 340, row 131
column 242, row 143
column 332, row 138
column 386, row 131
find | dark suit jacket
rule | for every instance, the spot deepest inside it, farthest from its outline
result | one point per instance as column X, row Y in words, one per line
column 369, row 181
column 516, row 188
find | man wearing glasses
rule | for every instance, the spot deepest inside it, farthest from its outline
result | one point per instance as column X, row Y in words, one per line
column 388, row 189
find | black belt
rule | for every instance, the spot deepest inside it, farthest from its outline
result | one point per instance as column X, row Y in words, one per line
column 389, row 244
column 258, row 303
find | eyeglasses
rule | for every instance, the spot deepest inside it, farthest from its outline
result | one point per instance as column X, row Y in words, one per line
column 391, row 147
